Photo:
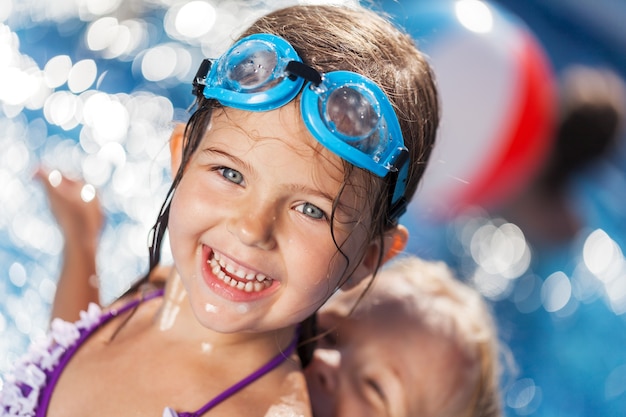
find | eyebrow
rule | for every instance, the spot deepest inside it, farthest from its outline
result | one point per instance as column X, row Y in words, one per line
column 233, row 158
column 301, row 188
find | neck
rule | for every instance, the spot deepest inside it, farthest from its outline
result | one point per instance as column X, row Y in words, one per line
column 177, row 319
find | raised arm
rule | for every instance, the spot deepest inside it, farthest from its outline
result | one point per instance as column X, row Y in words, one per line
column 80, row 219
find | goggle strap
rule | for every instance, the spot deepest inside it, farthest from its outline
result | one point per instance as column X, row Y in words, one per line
column 299, row 69
column 397, row 210
column 199, row 81
column 398, row 202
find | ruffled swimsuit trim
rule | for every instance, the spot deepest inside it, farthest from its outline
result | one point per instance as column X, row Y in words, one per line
column 28, row 390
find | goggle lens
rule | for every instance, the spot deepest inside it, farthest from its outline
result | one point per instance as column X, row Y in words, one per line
column 351, row 116
column 351, row 113
column 250, row 67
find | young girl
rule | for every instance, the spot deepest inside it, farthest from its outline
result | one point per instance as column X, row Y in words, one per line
column 419, row 343
column 441, row 330
column 310, row 136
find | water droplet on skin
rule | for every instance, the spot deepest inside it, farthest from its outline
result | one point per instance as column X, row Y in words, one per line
column 210, row 308
column 55, row 178
column 88, row 193
column 243, row 308
column 168, row 412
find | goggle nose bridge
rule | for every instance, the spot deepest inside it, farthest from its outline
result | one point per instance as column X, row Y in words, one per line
column 297, row 69
column 294, row 69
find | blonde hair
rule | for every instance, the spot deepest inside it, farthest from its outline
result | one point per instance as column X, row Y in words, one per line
column 448, row 307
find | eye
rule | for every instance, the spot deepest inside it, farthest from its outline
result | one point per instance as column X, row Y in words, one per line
column 311, row 211
column 231, row 175
column 375, row 386
column 375, row 390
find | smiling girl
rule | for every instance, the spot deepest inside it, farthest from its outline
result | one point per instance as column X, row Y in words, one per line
column 310, row 136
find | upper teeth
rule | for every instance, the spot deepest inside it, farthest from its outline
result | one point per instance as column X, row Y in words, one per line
column 255, row 282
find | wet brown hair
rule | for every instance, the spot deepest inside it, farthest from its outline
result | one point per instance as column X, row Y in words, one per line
column 330, row 38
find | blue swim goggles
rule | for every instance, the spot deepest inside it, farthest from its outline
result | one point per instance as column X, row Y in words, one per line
column 345, row 111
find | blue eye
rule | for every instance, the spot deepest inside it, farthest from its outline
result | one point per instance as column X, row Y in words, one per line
column 311, row 211
column 232, row 175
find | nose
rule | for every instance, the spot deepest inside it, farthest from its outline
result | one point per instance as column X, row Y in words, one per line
column 323, row 371
column 254, row 223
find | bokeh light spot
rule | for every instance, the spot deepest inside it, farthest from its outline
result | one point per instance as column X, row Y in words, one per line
column 82, row 75
column 101, row 33
column 501, row 249
column 524, row 397
column 107, row 117
column 17, row 274
column 17, row 86
column 474, row 15
column 6, row 6
column 101, row 7
column 57, row 70
column 615, row 384
column 601, row 253
column 556, row 292
column 62, row 108
column 195, row 19
column 15, row 157
column 159, row 63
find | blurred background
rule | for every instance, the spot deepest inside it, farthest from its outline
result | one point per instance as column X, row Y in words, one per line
column 524, row 196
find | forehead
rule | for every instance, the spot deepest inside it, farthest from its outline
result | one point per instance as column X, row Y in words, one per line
column 283, row 125
column 280, row 139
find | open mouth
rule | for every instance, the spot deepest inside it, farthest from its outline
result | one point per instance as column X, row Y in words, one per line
column 237, row 277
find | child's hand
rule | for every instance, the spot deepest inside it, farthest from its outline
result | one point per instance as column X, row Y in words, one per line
column 75, row 206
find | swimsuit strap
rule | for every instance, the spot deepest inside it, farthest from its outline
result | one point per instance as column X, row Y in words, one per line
column 230, row 391
column 44, row 400
column 54, row 376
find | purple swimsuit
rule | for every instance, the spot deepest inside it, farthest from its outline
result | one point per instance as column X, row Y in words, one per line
column 28, row 389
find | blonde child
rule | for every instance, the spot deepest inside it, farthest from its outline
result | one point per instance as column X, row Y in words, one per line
column 419, row 343
column 310, row 135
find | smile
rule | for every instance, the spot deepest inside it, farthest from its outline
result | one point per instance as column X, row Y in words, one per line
column 237, row 277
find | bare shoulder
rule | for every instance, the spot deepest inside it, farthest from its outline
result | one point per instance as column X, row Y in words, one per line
column 294, row 401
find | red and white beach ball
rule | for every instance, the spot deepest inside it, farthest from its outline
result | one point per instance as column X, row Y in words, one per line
column 498, row 104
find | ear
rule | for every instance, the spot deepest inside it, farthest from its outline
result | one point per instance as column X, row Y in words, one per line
column 176, row 146
column 398, row 240
column 394, row 242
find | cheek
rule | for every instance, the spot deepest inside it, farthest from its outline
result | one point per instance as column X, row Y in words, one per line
column 328, row 268
column 349, row 402
column 314, row 285
column 187, row 203
column 176, row 215
column 344, row 261
column 176, row 228
column 184, row 215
